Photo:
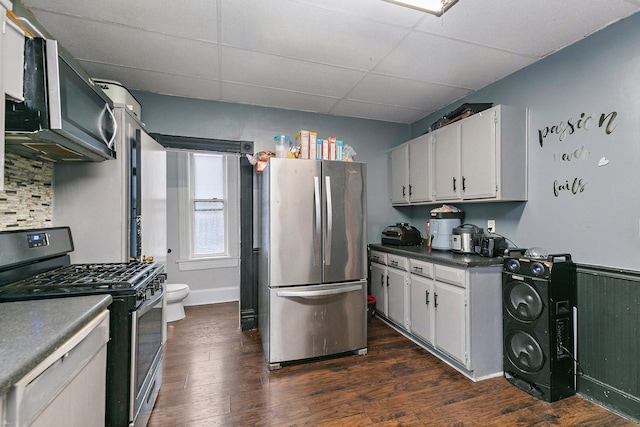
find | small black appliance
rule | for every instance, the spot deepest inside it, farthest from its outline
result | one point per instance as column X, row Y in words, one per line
column 401, row 234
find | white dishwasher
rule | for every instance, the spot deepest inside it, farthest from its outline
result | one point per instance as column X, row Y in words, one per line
column 68, row 387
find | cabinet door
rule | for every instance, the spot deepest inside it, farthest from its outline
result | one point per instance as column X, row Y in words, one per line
column 421, row 307
column 420, row 169
column 446, row 164
column 478, row 155
column 450, row 320
column 400, row 174
column 379, row 286
column 396, row 280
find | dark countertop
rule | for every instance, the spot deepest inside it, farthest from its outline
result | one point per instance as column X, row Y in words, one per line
column 31, row 330
column 440, row 257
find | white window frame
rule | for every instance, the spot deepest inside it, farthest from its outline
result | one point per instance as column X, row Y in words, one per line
column 231, row 257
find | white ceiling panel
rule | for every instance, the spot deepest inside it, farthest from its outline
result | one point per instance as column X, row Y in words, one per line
column 129, row 47
column 190, row 19
column 284, row 73
column 427, row 58
column 358, row 58
column 388, row 90
column 367, row 110
column 255, row 95
column 295, row 30
column 533, row 28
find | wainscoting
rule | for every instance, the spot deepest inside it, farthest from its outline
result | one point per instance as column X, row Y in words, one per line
column 609, row 338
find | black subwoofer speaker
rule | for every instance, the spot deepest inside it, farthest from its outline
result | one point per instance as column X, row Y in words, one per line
column 538, row 297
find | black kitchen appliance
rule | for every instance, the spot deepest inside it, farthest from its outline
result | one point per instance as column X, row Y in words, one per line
column 492, row 245
column 401, row 234
column 35, row 264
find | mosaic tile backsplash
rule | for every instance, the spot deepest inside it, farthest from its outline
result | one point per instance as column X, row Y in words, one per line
column 27, row 196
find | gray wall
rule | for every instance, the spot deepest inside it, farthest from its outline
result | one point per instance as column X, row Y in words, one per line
column 208, row 119
column 600, row 223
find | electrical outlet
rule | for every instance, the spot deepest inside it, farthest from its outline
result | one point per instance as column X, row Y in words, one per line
column 491, row 225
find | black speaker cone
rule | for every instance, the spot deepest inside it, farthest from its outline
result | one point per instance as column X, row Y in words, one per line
column 523, row 351
column 522, row 301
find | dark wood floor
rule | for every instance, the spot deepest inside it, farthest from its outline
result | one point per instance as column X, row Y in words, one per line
column 215, row 375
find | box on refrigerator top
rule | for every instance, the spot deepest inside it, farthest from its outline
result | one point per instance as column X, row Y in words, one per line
column 339, row 150
column 332, row 148
column 325, row 149
column 319, row 148
column 313, row 136
column 302, row 139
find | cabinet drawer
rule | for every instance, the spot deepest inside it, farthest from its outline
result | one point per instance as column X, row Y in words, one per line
column 455, row 276
column 379, row 257
column 397, row 262
column 421, row 268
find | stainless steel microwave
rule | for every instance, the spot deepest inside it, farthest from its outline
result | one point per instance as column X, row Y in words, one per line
column 64, row 115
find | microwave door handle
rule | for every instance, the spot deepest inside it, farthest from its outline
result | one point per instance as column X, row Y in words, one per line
column 115, row 128
column 329, row 221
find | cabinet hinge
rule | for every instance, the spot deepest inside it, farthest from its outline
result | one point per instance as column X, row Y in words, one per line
column 495, row 117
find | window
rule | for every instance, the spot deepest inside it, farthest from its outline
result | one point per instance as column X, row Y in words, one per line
column 208, row 207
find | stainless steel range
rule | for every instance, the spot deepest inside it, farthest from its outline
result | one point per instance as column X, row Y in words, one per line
column 35, row 264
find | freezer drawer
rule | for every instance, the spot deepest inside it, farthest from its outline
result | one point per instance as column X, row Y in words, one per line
column 316, row 320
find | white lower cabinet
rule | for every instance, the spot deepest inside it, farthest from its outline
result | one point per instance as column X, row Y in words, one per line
column 450, row 310
column 378, row 277
column 454, row 312
column 397, row 283
column 422, row 306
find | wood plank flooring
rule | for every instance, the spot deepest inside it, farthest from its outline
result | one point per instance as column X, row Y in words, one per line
column 215, row 375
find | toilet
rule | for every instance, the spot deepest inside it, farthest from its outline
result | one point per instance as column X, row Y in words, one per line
column 175, row 293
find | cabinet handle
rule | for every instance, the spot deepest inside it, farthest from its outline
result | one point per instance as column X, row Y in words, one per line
column 427, row 292
column 464, row 183
column 382, row 280
column 454, row 183
column 410, row 188
column 403, row 191
column 387, row 281
column 394, row 263
column 418, row 269
column 435, row 300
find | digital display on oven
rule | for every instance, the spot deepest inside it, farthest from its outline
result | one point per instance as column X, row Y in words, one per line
column 37, row 240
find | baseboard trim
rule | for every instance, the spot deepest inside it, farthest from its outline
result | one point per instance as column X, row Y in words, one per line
column 212, row 296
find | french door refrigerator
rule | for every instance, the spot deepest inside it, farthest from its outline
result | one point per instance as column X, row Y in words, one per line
column 312, row 263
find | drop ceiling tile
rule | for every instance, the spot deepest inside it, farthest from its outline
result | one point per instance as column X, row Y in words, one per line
column 296, row 30
column 254, row 95
column 92, row 41
column 435, row 59
column 385, row 113
column 373, row 10
column 405, row 93
column 193, row 19
column 258, row 69
column 534, row 28
column 154, row 82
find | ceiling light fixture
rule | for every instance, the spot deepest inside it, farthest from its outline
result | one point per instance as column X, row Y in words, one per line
column 434, row 7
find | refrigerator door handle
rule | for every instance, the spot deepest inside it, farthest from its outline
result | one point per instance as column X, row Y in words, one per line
column 319, row 293
column 317, row 237
column 327, row 260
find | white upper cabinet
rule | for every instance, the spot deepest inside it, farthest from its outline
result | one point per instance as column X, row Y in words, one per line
column 400, row 175
column 493, row 154
column 420, row 169
column 480, row 158
column 446, row 162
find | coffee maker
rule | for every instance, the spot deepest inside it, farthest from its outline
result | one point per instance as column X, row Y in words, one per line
column 441, row 225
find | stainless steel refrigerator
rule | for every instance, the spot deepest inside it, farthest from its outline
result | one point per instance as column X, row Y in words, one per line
column 312, row 268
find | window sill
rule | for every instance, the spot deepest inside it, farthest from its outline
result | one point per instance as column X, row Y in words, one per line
column 207, row 263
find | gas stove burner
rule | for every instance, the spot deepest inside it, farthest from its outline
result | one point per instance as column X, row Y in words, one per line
column 86, row 278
